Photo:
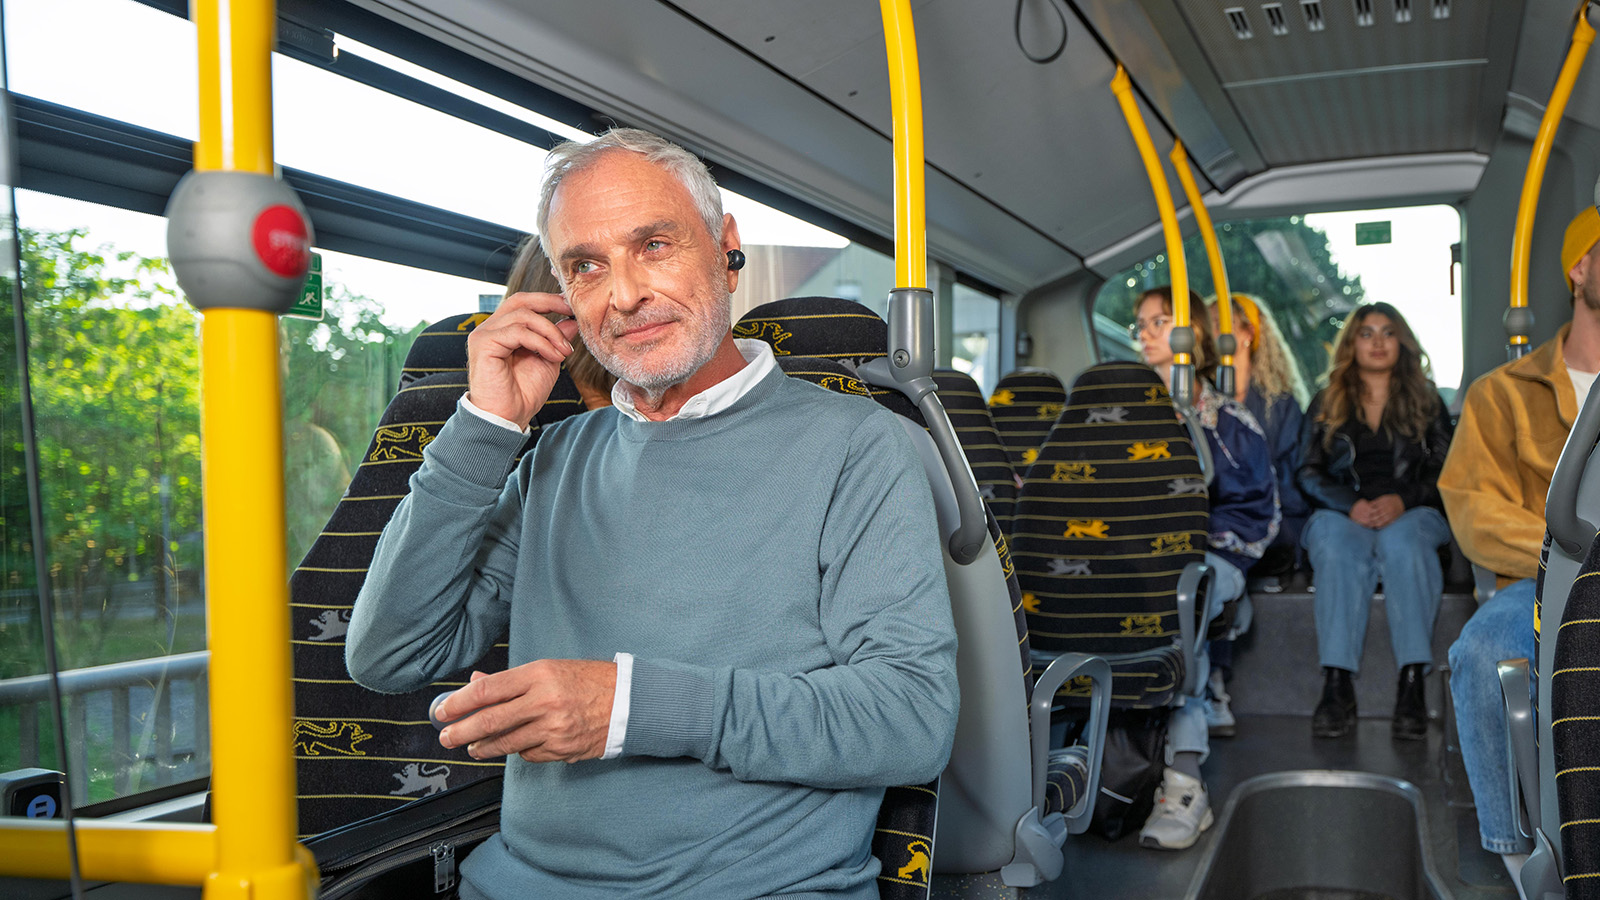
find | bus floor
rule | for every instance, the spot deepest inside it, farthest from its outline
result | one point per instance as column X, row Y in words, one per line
column 1273, row 696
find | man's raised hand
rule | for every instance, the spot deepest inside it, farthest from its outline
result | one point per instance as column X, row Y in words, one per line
column 514, row 356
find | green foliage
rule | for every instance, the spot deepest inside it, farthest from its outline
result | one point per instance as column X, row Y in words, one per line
column 1283, row 261
column 115, row 383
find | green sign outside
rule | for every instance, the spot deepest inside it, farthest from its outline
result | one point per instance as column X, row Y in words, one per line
column 309, row 306
column 1372, row 233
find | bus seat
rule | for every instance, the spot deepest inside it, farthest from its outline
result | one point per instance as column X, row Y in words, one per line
column 1025, row 403
column 352, row 759
column 1110, row 537
column 986, row 454
column 1575, row 732
column 995, row 793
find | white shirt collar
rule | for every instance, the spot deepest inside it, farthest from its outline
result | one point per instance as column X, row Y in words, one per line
column 758, row 362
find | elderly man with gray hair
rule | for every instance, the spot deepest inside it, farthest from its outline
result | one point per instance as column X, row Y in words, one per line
column 729, row 624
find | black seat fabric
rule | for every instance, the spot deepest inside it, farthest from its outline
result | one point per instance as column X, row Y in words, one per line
column 1068, row 776
column 440, row 348
column 1108, row 517
column 1025, row 404
column 980, row 440
column 1575, row 731
column 360, row 753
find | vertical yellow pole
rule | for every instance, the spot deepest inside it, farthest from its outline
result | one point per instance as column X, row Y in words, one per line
column 1122, row 87
column 252, row 781
column 1522, row 238
column 910, row 204
column 1208, row 234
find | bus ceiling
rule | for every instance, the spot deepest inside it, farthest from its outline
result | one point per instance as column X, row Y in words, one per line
column 1030, row 170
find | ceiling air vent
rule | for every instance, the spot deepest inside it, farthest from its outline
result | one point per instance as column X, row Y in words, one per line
column 1274, row 13
column 1313, row 14
column 1240, row 23
column 1402, row 11
column 1441, row 9
column 1363, row 12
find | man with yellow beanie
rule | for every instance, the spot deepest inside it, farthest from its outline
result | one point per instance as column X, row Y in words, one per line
column 1514, row 422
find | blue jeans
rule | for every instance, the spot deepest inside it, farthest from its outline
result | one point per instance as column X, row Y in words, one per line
column 1186, row 729
column 1500, row 629
column 1350, row 559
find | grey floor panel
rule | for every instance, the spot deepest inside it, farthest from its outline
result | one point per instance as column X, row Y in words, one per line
column 1123, row 870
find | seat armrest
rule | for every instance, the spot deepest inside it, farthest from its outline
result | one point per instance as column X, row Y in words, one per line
column 1191, row 629
column 1063, row 668
column 1520, row 750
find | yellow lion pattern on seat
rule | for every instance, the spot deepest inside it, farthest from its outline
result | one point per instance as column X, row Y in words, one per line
column 1142, row 450
column 919, row 862
column 1073, row 471
column 339, row 738
column 396, row 442
column 1142, row 625
column 1171, row 543
column 1086, row 528
column 764, row 330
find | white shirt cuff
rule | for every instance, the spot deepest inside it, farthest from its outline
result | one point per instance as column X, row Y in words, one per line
column 466, row 404
column 619, row 706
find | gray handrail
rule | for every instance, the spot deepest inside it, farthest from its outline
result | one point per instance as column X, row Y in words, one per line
column 36, row 688
column 1573, row 533
column 908, row 368
column 1064, row 667
column 1524, row 756
column 1197, row 437
column 1191, row 634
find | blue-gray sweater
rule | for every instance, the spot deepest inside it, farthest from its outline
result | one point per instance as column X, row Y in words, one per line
column 774, row 569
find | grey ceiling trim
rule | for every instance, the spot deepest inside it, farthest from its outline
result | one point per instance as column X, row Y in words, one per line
column 1174, row 29
column 1353, row 73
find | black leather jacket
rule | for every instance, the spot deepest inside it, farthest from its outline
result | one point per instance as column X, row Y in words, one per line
column 1327, row 475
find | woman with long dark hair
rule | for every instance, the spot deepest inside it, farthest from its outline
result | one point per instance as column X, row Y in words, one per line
column 1371, row 449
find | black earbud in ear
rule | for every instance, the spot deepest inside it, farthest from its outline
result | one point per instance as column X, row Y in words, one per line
column 735, row 260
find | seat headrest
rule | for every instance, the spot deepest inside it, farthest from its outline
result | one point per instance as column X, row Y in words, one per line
column 1118, row 382
column 836, row 376
column 441, row 347
column 827, row 327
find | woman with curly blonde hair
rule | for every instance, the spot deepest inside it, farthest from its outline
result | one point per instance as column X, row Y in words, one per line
column 1371, row 449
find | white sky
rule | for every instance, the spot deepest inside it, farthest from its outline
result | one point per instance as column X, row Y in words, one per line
column 1412, row 273
column 129, row 62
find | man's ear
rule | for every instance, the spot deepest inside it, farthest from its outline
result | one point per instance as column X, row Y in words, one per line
column 730, row 241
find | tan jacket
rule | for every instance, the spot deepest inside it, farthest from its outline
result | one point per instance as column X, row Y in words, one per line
column 1513, row 423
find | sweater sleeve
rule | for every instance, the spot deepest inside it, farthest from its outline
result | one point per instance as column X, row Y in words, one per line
column 436, row 596
column 885, row 712
column 1482, row 492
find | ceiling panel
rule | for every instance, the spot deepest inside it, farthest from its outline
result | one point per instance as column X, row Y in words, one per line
column 1421, row 111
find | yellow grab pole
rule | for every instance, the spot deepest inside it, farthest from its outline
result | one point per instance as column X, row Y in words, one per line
column 905, row 96
column 1518, row 321
column 1123, row 89
column 1219, row 270
column 252, row 780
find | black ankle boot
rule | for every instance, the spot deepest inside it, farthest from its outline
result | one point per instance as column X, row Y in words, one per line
column 1336, row 712
column 1411, row 705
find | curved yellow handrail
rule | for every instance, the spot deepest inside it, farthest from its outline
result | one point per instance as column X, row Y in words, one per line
column 1181, row 360
column 905, row 97
column 1522, row 238
column 1208, row 234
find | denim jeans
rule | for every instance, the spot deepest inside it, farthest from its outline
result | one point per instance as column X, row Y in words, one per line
column 1350, row 559
column 1500, row 629
column 1186, row 729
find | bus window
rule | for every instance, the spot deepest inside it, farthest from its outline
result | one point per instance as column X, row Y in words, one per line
column 1312, row 270
column 976, row 339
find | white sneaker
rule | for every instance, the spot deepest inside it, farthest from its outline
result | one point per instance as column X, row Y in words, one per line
column 1183, row 811
column 1219, row 718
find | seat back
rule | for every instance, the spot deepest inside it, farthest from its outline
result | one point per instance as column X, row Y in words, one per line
column 980, row 440
column 1025, row 404
column 1575, row 731
column 360, row 753
column 1108, row 517
column 986, row 788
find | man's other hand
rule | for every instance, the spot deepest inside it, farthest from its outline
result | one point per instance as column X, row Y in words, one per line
column 543, row 711
column 514, row 356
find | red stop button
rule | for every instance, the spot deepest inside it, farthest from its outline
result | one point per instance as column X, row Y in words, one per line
column 281, row 242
